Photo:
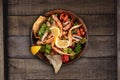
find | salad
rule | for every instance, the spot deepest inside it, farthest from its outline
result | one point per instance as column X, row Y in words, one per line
column 59, row 36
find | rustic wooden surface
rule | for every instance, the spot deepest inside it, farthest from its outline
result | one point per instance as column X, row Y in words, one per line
column 99, row 61
column 1, row 43
column 100, row 24
column 37, row 7
column 106, row 48
column 118, row 38
column 84, row 68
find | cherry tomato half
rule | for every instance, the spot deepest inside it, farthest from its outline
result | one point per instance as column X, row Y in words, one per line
column 82, row 31
column 64, row 17
column 78, row 32
column 65, row 58
column 61, row 16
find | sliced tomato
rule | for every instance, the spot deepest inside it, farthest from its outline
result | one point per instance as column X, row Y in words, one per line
column 63, row 17
column 78, row 32
column 82, row 31
column 65, row 58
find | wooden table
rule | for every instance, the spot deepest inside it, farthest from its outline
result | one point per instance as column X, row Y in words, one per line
column 99, row 61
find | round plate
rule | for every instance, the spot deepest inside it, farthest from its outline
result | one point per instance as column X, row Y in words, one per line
column 49, row 13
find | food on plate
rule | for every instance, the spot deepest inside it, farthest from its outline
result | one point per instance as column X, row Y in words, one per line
column 35, row 49
column 60, row 37
column 55, row 60
column 37, row 24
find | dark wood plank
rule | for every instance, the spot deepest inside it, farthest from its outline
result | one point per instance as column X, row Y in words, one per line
column 1, row 42
column 37, row 7
column 83, row 69
column 96, row 24
column 118, row 39
column 98, row 46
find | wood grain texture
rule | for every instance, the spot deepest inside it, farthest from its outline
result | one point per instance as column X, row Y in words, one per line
column 37, row 7
column 99, row 61
column 118, row 39
column 96, row 24
column 98, row 46
column 1, row 43
column 84, row 69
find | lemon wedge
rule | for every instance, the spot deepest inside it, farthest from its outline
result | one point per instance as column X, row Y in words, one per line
column 61, row 43
column 55, row 30
column 35, row 49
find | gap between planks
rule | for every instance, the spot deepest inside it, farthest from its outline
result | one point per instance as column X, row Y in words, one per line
column 2, row 73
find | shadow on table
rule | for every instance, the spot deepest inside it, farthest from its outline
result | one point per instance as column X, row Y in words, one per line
column 5, row 29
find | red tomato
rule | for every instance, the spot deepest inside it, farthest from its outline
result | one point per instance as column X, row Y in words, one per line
column 61, row 16
column 83, row 33
column 65, row 58
column 81, row 29
column 64, row 17
column 78, row 32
